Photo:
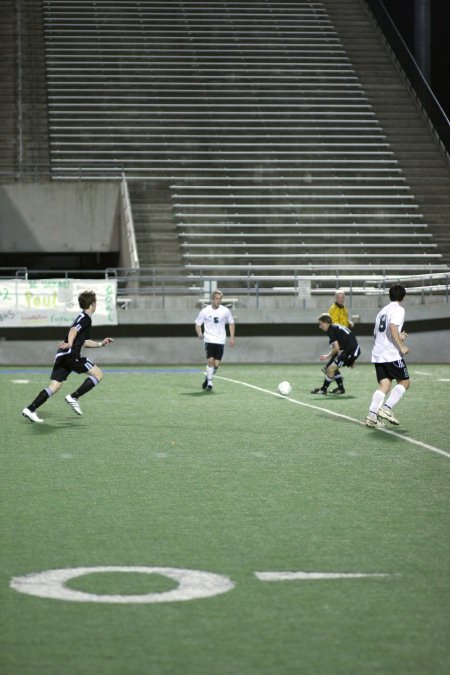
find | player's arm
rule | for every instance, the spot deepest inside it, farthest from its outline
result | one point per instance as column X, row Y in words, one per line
column 397, row 339
column 335, row 349
column 73, row 332
column 198, row 330
column 231, row 328
column 92, row 344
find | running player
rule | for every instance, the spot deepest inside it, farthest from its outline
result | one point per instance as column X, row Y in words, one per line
column 69, row 360
column 387, row 356
column 214, row 318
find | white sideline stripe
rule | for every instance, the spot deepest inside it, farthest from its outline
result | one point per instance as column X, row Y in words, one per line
column 308, row 576
column 426, row 446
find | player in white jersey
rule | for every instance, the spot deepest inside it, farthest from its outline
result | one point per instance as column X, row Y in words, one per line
column 213, row 320
column 387, row 356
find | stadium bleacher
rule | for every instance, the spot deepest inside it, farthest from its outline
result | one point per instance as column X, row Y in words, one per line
column 250, row 133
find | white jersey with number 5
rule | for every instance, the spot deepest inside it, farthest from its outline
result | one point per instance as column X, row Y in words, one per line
column 214, row 321
column 384, row 349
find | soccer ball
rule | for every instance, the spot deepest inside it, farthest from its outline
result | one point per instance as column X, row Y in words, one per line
column 284, row 388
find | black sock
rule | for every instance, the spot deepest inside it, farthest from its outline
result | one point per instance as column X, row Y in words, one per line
column 87, row 385
column 339, row 381
column 326, row 383
column 41, row 398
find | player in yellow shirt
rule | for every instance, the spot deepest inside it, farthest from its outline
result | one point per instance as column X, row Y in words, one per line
column 338, row 311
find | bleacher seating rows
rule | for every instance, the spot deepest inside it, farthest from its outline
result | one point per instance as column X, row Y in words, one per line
column 253, row 115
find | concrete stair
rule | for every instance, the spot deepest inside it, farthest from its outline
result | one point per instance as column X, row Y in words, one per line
column 156, row 233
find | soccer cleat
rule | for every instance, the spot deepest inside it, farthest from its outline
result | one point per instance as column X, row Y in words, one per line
column 32, row 416
column 205, row 383
column 386, row 414
column 209, row 387
column 371, row 420
column 319, row 390
column 337, row 391
column 73, row 402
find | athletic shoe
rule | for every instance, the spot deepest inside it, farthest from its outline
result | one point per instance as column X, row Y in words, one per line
column 31, row 415
column 209, row 387
column 73, row 402
column 205, row 383
column 371, row 420
column 386, row 414
column 319, row 390
column 338, row 391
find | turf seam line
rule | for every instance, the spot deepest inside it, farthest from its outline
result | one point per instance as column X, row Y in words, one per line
column 426, row 446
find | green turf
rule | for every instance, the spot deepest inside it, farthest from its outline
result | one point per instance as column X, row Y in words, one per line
column 158, row 473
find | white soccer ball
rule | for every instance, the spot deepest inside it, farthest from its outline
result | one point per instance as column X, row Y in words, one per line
column 284, row 388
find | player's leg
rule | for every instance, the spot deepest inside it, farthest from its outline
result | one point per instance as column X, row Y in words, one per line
column 329, row 378
column 399, row 372
column 344, row 359
column 340, row 383
column 59, row 374
column 209, row 349
column 95, row 376
column 397, row 393
column 214, row 353
column 384, row 385
column 209, row 373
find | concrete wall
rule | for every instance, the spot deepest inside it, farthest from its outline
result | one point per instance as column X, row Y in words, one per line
column 427, row 346
column 69, row 217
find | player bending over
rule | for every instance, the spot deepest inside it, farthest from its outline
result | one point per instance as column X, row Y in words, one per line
column 344, row 352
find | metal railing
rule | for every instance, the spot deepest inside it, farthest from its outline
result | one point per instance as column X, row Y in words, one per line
column 162, row 283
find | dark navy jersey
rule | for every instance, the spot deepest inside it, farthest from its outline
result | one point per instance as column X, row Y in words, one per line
column 344, row 336
column 82, row 323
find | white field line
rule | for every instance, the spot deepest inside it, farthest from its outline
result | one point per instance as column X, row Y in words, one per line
column 426, row 446
column 314, row 576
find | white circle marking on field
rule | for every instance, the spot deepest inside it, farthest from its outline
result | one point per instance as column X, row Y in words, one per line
column 192, row 584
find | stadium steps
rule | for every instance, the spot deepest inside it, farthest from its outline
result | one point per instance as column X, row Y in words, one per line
column 262, row 117
column 421, row 160
column 156, row 235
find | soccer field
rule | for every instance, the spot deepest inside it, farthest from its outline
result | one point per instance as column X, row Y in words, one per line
column 235, row 532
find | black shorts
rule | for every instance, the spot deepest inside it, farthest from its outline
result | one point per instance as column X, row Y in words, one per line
column 347, row 358
column 214, row 351
column 64, row 365
column 395, row 370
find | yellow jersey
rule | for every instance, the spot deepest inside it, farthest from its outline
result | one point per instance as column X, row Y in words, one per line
column 339, row 314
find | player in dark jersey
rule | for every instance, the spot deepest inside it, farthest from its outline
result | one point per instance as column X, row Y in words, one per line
column 68, row 360
column 344, row 352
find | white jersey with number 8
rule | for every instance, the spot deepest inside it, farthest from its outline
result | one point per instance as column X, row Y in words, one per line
column 384, row 349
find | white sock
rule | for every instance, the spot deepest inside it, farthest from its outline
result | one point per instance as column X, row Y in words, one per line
column 209, row 373
column 377, row 401
column 395, row 395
